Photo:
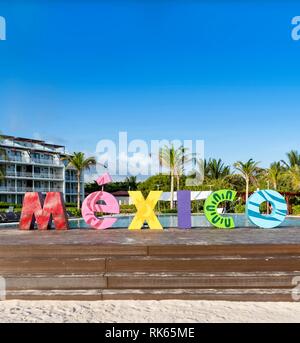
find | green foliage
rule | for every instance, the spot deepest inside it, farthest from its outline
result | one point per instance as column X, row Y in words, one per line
column 70, row 204
column 216, row 169
column 80, row 162
column 169, row 210
column 239, row 208
column 293, row 157
column 129, row 183
column 127, row 209
column 249, row 169
column 74, row 211
column 296, row 210
column 161, row 182
column 263, row 207
column 197, row 206
column 6, row 205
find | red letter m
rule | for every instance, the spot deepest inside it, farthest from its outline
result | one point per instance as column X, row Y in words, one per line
column 35, row 209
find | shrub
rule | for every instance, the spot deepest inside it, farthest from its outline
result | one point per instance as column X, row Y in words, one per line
column 168, row 210
column 70, row 204
column 127, row 209
column 239, row 208
column 197, row 206
column 74, row 211
column 7, row 205
column 296, row 210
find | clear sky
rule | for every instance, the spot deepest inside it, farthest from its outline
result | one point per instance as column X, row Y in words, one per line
column 74, row 72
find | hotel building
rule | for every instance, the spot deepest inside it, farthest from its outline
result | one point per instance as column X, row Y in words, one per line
column 32, row 165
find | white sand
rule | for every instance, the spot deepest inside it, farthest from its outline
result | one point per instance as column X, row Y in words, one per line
column 147, row 311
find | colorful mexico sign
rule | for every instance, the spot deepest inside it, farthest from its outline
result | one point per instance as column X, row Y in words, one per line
column 42, row 211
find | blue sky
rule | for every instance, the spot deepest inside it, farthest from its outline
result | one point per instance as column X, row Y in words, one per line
column 75, row 72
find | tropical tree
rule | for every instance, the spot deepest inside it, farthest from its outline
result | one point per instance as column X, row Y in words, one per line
column 273, row 173
column 173, row 159
column 294, row 173
column 159, row 182
column 182, row 158
column 293, row 157
column 79, row 161
column 131, row 183
column 249, row 171
column 216, row 169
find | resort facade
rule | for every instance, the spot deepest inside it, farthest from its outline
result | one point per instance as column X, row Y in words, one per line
column 31, row 165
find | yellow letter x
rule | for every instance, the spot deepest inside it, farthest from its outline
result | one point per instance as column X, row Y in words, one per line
column 145, row 210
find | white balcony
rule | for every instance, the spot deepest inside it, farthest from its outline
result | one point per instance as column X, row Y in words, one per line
column 71, row 179
column 46, row 189
column 27, row 160
column 48, row 176
column 28, row 175
column 4, row 189
column 14, row 190
column 47, row 161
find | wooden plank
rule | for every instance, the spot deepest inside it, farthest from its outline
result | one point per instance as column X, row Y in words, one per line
column 200, row 294
column 87, row 295
column 149, row 294
column 195, row 236
column 217, row 250
column 71, row 250
column 56, row 282
column 198, row 264
column 51, row 265
column 201, row 280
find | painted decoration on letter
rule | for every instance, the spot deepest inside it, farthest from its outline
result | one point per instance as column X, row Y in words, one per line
column 37, row 210
column 145, row 210
column 211, row 209
column 279, row 209
column 184, row 209
column 101, row 202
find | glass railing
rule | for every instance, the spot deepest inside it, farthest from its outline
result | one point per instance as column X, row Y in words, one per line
column 23, row 174
column 48, row 176
column 29, row 189
column 36, row 175
column 7, row 189
column 22, row 159
column 71, row 179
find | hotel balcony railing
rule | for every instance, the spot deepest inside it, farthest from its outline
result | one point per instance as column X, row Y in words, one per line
column 45, row 161
column 43, row 189
column 68, row 178
column 48, row 176
column 7, row 189
column 32, row 176
column 31, row 160
column 28, row 189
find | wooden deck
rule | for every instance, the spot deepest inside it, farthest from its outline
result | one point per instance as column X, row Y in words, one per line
column 239, row 264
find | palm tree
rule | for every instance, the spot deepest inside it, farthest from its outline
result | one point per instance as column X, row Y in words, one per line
column 274, row 172
column 293, row 159
column 216, row 169
column 249, row 172
column 173, row 159
column 294, row 173
column 80, row 163
column 131, row 183
column 182, row 159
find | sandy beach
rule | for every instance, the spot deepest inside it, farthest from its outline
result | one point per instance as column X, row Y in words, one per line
column 174, row 311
